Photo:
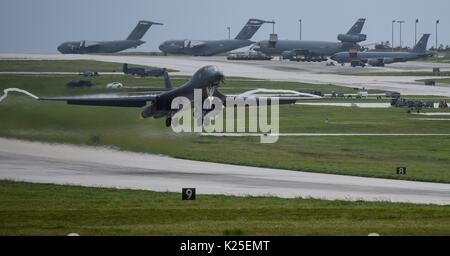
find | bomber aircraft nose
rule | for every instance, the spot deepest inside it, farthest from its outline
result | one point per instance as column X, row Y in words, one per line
column 214, row 74
column 219, row 76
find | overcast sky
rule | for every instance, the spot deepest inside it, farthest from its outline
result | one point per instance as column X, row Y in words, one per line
column 38, row 26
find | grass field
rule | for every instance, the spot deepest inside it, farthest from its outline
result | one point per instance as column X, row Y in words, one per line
column 39, row 209
column 438, row 60
column 59, row 66
column 55, row 84
column 427, row 158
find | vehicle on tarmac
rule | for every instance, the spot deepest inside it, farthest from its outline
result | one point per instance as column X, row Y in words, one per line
column 114, row 85
column 250, row 55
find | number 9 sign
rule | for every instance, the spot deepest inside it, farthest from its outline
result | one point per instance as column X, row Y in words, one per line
column 188, row 193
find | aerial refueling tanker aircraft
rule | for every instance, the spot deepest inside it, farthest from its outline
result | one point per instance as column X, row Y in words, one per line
column 314, row 50
column 132, row 41
column 213, row 47
column 379, row 59
column 158, row 105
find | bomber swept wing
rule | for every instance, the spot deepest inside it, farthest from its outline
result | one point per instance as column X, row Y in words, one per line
column 112, row 100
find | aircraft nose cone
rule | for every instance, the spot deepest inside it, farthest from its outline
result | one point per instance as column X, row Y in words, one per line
column 333, row 57
column 218, row 77
column 61, row 48
column 166, row 46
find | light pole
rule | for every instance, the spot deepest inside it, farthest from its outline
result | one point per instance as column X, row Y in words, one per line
column 392, row 43
column 400, row 22
column 437, row 23
column 415, row 31
column 300, row 21
column 229, row 34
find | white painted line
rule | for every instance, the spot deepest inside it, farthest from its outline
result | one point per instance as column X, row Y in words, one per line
column 348, row 104
column 6, row 91
column 430, row 119
column 433, row 114
column 321, row 134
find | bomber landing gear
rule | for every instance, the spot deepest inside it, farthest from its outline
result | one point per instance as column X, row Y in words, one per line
column 168, row 121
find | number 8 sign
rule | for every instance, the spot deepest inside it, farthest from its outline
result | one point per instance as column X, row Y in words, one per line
column 188, row 194
column 401, row 170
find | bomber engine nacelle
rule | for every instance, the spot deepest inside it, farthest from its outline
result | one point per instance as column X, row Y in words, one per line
column 156, row 110
column 357, row 38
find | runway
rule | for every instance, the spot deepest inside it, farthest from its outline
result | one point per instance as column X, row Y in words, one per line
column 100, row 167
column 316, row 73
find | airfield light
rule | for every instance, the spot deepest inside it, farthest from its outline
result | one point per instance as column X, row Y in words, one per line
column 400, row 22
column 300, row 21
column 415, row 31
column 437, row 23
column 392, row 43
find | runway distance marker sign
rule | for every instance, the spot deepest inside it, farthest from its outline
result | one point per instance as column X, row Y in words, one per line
column 401, row 170
column 188, row 194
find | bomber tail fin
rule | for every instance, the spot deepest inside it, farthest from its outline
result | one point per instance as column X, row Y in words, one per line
column 167, row 82
column 140, row 29
column 421, row 46
column 357, row 27
column 249, row 30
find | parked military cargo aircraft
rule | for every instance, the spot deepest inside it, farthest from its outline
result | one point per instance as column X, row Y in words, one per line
column 313, row 50
column 213, row 47
column 132, row 41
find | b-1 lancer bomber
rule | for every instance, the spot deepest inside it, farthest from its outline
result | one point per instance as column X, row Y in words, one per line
column 213, row 47
column 379, row 59
column 159, row 104
column 132, row 41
